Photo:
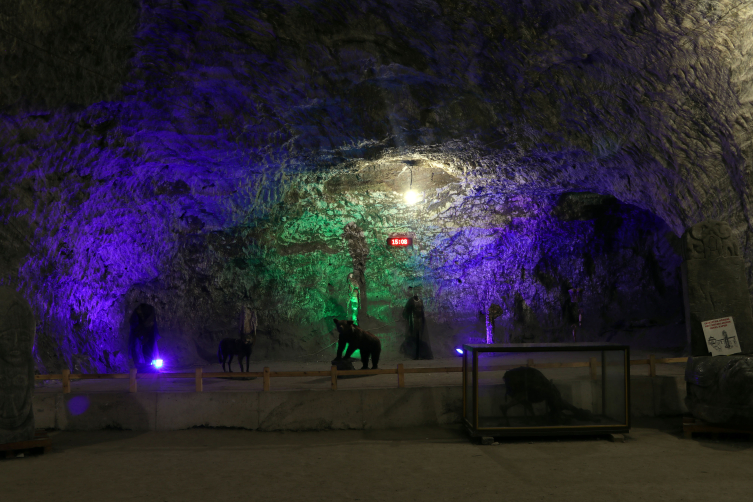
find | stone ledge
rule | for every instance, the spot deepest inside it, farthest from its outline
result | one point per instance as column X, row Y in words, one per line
column 300, row 410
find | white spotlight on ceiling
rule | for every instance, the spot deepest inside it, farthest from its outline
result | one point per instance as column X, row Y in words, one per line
column 411, row 197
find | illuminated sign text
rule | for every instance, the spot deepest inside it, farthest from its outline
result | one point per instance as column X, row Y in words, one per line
column 400, row 241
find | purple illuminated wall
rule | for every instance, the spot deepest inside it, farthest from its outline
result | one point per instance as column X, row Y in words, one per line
column 201, row 155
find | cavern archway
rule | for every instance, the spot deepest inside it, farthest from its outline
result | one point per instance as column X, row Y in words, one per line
column 212, row 158
column 473, row 250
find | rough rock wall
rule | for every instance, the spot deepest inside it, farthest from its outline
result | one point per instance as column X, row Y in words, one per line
column 199, row 154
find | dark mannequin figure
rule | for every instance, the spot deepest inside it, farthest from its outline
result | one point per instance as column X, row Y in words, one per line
column 414, row 314
column 575, row 314
column 144, row 330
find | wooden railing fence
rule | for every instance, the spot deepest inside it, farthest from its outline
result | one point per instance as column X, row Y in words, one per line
column 266, row 374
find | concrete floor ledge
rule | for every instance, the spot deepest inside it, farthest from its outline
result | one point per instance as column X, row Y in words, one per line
column 298, row 410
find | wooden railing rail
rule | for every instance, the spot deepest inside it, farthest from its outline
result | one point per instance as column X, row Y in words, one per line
column 199, row 375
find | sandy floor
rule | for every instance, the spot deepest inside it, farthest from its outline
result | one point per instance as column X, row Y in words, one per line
column 435, row 464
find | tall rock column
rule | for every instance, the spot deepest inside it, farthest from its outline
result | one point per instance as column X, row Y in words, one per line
column 359, row 253
column 714, row 284
column 720, row 388
column 17, row 328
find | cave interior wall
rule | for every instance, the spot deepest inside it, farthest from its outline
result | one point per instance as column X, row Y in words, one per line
column 201, row 155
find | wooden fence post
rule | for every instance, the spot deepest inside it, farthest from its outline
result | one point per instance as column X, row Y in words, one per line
column 266, row 378
column 592, row 365
column 66, row 381
column 132, row 379
column 400, row 375
column 199, row 380
column 333, row 373
column 651, row 366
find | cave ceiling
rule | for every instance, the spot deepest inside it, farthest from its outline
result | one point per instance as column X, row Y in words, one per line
column 202, row 154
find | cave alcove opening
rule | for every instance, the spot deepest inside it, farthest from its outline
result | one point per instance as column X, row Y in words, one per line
column 583, row 267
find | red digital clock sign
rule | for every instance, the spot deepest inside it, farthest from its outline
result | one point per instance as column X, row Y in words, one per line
column 400, row 242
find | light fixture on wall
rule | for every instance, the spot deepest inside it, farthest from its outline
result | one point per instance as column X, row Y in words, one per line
column 411, row 196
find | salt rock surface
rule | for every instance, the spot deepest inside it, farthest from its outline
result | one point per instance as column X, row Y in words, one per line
column 210, row 155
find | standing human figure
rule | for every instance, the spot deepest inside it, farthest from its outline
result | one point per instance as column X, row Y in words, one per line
column 576, row 313
column 414, row 314
column 144, row 331
column 248, row 323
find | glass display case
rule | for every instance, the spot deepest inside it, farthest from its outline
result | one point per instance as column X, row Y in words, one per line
column 546, row 389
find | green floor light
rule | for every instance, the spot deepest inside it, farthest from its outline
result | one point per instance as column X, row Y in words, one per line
column 356, row 354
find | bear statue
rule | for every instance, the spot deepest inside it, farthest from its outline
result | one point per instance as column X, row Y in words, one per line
column 357, row 339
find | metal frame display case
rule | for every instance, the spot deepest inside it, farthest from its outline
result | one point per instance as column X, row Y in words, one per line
column 532, row 389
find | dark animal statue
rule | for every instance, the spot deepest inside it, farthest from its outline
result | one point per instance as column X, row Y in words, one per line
column 230, row 347
column 527, row 386
column 242, row 346
column 357, row 339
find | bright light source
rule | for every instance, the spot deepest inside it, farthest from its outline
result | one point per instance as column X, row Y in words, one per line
column 157, row 363
column 411, row 197
column 459, row 351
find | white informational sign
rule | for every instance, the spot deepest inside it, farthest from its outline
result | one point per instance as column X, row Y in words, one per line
column 721, row 337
